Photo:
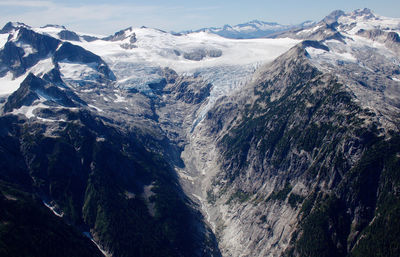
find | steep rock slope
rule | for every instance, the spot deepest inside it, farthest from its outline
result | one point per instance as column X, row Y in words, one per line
column 300, row 161
column 29, row 229
column 299, row 158
column 104, row 182
column 104, row 172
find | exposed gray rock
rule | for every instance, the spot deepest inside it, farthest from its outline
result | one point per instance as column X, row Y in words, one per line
column 34, row 88
column 121, row 35
column 13, row 57
column 12, row 26
column 68, row 35
column 200, row 54
column 333, row 16
column 74, row 53
column 300, row 161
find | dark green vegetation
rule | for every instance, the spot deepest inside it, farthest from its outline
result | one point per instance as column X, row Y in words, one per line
column 305, row 125
column 102, row 180
column 295, row 199
column 371, row 186
column 281, row 194
column 111, row 180
column 27, row 228
column 238, row 196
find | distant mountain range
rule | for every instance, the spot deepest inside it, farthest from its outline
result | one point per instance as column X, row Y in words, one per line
column 146, row 143
column 252, row 29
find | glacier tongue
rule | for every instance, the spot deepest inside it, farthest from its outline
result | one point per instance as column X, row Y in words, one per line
column 226, row 63
column 154, row 49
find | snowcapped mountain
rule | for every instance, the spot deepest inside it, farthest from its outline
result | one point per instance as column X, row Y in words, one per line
column 362, row 49
column 138, row 55
column 252, row 29
column 200, row 144
column 293, row 154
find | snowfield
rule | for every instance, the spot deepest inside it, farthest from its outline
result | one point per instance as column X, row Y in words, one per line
column 138, row 55
column 9, row 84
column 141, row 64
column 158, row 48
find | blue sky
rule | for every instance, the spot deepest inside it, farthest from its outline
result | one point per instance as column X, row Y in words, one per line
column 106, row 17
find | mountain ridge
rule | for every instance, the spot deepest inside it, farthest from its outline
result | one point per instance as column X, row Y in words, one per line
column 198, row 145
column 250, row 29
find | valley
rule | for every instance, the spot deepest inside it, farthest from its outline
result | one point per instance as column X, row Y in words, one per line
column 159, row 144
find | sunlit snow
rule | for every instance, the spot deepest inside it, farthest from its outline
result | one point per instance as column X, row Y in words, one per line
column 78, row 71
column 51, row 30
column 28, row 110
column 28, row 49
column 357, row 22
column 96, row 108
column 42, row 67
column 154, row 49
column 8, row 85
column 53, row 209
column 3, row 40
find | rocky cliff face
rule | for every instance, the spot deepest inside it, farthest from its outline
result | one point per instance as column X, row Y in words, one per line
column 104, row 172
column 283, row 153
column 301, row 158
column 290, row 164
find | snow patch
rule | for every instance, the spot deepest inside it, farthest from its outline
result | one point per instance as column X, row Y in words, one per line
column 42, row 67
column 8, row 84
column 49, row 30
column 335, row 56
column 87, row 90
column 96, row 108
column 120, row 99
column 28, row 49
column 311, row 30
column 54, row 209
column 78, row 71
column 314, row 52
column 100, row 139
column 28, row 110
column 50, row 120
column 3, row 40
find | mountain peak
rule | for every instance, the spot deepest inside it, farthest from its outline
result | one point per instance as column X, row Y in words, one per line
column 12, row 25
column 363, row 11
column 120, row 35
column 258, row 22
column 251, row 29
column 367, row 13
column 333, row 16
column 54, row 26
